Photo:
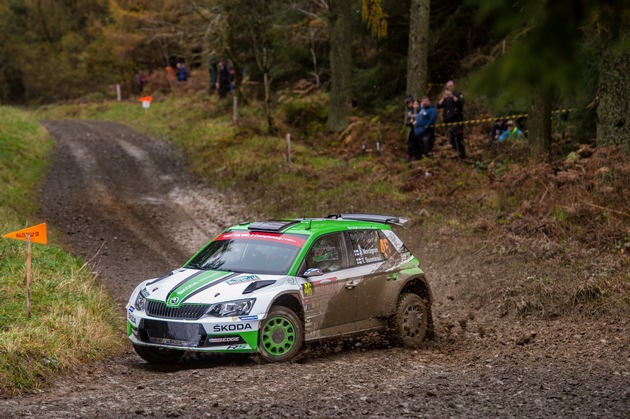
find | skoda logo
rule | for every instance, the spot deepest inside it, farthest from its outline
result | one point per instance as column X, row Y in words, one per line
column 174, row 300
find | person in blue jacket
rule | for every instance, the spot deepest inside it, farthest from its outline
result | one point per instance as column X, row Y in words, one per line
column 512, row 132
column 424, row 128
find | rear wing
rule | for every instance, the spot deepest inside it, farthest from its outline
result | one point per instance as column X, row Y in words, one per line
column 375, row 218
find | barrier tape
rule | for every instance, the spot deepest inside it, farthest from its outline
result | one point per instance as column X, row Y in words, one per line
column 478, row 121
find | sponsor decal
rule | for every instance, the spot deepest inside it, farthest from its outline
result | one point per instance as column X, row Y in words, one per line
column 386, row 248
column 132, row 318
column 234, row 347
column 255, row 235
column 132, row 309
column 291, row 281
column 323, row 286
column 241, row 279
column 231, row 327
column 226, row 339
column 324, row 281
column 255, row 317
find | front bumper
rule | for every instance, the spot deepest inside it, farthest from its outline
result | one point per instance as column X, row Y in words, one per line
column 210, row 334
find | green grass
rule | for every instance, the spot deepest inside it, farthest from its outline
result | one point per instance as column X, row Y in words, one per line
column 72, row 318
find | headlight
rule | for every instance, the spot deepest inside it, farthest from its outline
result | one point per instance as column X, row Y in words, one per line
column 141, row 301
column 231, row 308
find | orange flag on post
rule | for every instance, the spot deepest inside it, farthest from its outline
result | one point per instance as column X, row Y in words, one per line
column 37, row 234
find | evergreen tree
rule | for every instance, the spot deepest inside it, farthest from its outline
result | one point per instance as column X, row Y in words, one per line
column 340, row 107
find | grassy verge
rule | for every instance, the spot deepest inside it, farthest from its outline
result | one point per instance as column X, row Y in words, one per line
column 73, row 319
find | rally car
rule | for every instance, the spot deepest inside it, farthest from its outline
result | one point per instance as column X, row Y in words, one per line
column 269, row 287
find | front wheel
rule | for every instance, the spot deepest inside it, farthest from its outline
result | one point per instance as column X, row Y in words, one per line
column 411, row 320
column 155, row 355
column 281, row 335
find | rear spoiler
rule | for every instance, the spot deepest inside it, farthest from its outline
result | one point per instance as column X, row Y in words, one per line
column 375, row 218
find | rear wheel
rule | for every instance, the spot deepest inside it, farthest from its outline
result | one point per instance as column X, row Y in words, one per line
column 155, row 355
column 281, row 335
column 411, row 320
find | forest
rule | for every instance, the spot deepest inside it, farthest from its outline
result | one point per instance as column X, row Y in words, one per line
column 525, row 56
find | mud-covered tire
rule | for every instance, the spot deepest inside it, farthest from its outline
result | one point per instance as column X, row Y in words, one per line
column 281, row 335
column 155, row 355
column 411, row 322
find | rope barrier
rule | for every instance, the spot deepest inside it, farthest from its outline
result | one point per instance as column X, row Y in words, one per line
column 492, row 119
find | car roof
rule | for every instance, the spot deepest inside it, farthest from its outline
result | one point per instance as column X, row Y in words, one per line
column 329, row 224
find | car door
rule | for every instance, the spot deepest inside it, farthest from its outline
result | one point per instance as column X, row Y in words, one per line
column 370, row 251
column 329, row 299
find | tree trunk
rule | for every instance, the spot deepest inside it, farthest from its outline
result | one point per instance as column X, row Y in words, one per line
column 418, row 51
column 340, row 65
column 613, row 120
column 539, row 123
column 266, row 68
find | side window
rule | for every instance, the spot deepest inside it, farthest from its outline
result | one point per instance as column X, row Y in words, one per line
column 327, row 254
column 369, row 246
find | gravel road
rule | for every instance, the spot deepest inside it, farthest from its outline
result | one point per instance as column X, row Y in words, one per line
column 124, row 202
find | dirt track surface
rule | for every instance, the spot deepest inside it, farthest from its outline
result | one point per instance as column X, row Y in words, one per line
column 125, row 202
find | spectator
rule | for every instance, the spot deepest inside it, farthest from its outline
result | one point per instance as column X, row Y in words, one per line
column 224, row 78
column 424, row 128
column 452, row 103
column 497, row 129
column 182, row 72
column 212, row 68
column 141, row 79
column 232, row 72
column 408, row 109
column 170, row 73
column 512, row 132
column 413, row 146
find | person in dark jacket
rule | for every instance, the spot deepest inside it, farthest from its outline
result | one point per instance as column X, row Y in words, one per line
column 452, row 104
column 497, row 129
column 424, row 128
column 410, row 121
column 212, row 68
column 224, row 78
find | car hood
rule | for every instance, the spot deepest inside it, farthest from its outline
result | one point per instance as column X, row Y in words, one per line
column 192, row 286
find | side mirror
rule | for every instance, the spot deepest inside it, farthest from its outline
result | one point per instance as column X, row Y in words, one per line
column 312, row 272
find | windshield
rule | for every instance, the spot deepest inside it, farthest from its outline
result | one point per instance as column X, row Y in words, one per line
column 252, row 252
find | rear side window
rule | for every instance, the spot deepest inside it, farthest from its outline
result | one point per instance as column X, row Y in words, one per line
column 369, row 246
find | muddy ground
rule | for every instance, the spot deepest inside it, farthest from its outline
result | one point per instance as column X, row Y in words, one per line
column 125, row 203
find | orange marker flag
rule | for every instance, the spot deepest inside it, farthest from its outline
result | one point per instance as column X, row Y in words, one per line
column 37, row 234
column 145, row 99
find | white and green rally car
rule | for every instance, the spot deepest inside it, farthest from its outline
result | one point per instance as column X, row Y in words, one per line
column 268, row 287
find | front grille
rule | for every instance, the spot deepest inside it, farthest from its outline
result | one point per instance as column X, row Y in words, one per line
column 171, row 333
column 185, row 312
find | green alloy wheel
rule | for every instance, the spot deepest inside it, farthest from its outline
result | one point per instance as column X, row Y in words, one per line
column 281, row 336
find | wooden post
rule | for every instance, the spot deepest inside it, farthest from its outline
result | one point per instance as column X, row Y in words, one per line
column 289, row 147
column 118, row 93
column 28, row 275
column 234, row 108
